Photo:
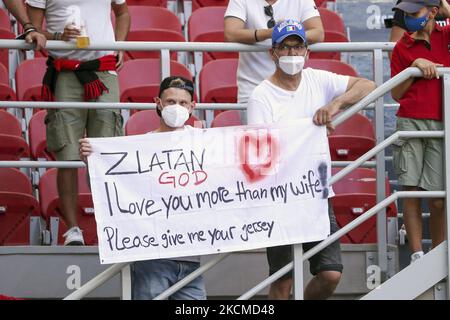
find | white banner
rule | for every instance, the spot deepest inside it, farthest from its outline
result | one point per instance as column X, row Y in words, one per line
column 196, row 191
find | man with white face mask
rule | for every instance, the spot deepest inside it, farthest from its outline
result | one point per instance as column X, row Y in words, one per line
column 289, row 94
column 150, row 278
column 175, row 103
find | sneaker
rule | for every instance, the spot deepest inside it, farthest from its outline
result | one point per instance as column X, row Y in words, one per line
column 74, row 237
column 416, row 256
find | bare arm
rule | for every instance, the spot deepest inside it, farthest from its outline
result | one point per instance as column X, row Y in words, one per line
column 37, row 18
column 357, row 88
column 429, row 70
column 122, row 27
column 17, row 9
column 314, row 30
column 122, row 21
column 235, row 31
column 444, row 9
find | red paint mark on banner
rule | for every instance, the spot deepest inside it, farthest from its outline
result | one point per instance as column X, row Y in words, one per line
column 258, row 154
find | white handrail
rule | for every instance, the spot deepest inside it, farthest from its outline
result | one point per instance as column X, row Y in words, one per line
column 197, row 46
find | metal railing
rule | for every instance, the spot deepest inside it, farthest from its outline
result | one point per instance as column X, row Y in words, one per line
column 165, row 47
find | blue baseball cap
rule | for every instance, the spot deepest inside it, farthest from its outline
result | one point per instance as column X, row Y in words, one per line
column 288, row 28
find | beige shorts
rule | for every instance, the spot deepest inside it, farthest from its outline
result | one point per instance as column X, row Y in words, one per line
column 66, row 126
column 419, row 162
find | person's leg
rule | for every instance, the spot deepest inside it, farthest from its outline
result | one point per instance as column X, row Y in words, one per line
column 322, row 285
column 280, row 289
column 326, row 265
column 150, row 278
column 67, row 181
column 408, row 165
column 194, row 290
column 64, row 128
column 433, row 180
column 412, row 218
column 277, row 258
column 437, row 221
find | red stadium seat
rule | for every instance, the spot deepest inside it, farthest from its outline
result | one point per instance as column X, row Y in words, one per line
column 335, row 66
column 332, row 21
column 6, row 92
column 148, row 120
column 12, row 145
column 196, row 4
column 330, row 36
column 206, row 25
column 153, row 35
column 218, row 82
column 5, row 21
column 159, row 3
column 227, row 119
column 355, row 194
column 4, row 53
column 50, row 206
column 151, row 17
column 29, row 76
column 17, row 205
column 37, row 137
column 139, row 79
column 352, row 138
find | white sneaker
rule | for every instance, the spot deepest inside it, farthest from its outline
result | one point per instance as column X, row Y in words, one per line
column 74, row 237
column 416, row 256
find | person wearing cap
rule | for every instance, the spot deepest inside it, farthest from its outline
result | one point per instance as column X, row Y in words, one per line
column 291, row 93
column 150, row 278
column 398, row 21
column 419, row 163
column 79, row 76
column 30, row 33
column 252, row 22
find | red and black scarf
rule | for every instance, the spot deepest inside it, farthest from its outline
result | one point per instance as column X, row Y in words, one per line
column 84, row 71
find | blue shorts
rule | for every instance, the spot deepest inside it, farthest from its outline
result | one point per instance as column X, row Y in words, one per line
column 150, row 278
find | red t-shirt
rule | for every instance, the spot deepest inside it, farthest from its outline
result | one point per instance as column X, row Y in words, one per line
column 423, row 100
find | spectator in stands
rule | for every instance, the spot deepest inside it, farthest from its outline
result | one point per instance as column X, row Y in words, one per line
column 288, row 94
column 152, row 277
column 419, row 162
column 398, row 22
column 250, row 22
column 79, row 76
column 30, row 33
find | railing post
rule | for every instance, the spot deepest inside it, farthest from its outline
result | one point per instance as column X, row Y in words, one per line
column 380, row 160
column 165, row 63
column 125, row 278
column 297, row 257
column 446, row 101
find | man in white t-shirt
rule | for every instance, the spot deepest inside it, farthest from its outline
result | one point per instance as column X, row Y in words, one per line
column 252, row 21
column 79, row 75
column 150, row 278
column 288, row 94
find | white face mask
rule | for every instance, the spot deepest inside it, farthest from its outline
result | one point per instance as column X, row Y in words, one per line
column 175, row 115
column 291, row 64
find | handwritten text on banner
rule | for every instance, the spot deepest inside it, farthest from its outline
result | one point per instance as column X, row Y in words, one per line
column 195, row 191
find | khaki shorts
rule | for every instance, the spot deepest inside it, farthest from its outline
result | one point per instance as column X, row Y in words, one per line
column 419, row 162
column 66, row 126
